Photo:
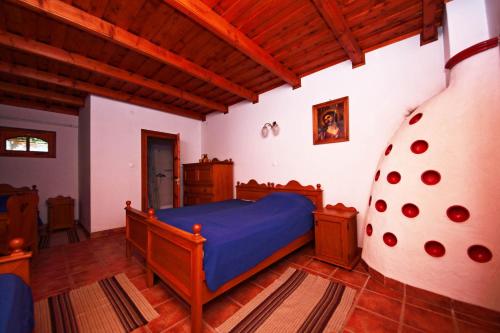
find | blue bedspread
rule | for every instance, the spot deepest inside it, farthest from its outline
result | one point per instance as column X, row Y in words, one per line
column 3, row 202
column 190, row 211
column 239, row 238
column 16, row 305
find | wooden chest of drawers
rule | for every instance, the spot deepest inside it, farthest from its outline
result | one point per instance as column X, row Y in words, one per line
column 207, row 182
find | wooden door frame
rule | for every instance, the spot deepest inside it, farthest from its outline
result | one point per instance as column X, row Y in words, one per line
column 145, row 135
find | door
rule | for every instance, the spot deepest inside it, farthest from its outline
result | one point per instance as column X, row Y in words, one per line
column 160, row 170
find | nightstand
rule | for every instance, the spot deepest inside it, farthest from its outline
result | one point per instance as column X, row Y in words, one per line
column 61, row 213
column 335, row 233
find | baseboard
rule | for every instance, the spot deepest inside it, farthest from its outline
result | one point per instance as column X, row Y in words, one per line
column 108, row 232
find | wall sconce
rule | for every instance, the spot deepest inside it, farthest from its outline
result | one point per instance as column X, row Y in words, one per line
column 274, row 128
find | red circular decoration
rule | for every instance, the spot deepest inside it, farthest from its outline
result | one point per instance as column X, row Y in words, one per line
column 410, row 210
column 369, row 229
column 377, row 175
column 419, row 146
column 388, row 149
column 431, row 177
column 380, row 205
column 434, row 248
column 390, row 239
column 458, row 213
column 370, row 201
column 393, row 177
column 479, row 253
column 415, row 118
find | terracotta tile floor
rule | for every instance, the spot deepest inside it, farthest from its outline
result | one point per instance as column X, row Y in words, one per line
column 377, row 308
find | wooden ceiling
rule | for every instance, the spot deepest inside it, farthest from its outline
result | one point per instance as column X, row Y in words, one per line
column 189, row 57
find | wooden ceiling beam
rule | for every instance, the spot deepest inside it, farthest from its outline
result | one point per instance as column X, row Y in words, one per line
column 54, row 53
column 30, row 73
column 429, row 25
column 37, row 106
column 39, row 93
column 95, row 25
column 207, row 18
column 332, row 15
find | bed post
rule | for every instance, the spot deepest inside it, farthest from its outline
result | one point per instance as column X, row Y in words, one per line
column 150, row 276
column 128, row 246
column 197, row 281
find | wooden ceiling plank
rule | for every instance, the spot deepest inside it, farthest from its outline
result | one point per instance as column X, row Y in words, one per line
column 47, row 77
column 46, row 94
column 77, row 60
column 37, row 106
column 206, row 17
column 429, row 25
column 83, row 20
column 333, row 17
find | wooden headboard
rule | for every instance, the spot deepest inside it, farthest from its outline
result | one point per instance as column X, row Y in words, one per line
column 254, row 191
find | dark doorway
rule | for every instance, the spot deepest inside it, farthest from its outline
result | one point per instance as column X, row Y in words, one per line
column 160, row 170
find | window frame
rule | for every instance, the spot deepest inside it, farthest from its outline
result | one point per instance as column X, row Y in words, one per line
column 13, row 132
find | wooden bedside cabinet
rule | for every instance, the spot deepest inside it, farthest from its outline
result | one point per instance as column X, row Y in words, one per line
column 61, row 213
column 336, row 238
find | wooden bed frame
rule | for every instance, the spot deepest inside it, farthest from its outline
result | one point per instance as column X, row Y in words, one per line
column 21, row 218
column 17, row 262
column 176, row 256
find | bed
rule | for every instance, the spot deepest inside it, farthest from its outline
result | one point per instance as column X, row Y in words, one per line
column 18, row 216
column 16, row 303
column 177, row 255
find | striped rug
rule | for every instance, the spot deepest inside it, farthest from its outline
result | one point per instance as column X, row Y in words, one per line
column 69, row 236
column 109, row 305
column 296, row 302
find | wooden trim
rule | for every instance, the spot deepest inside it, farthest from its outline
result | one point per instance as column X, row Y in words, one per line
column 145, row 135
column 43, row 94
column 471, row 51
column 96, row 90
column 207, row 18
column 429, row 25
column 37, row 106
column 12, row 132
column 106, row 233
column 333, row 17
column 93, row 24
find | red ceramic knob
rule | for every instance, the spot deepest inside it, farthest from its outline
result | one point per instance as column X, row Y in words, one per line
column 380, row 205
column 388, row 150
column 390, row 239
column 369, row 229
column 370, row 201
column 415, row 118
column 479, row 253
column 377, row 175
column 419, row 146
column 458, row 213
column 410, row 210
column 434, row 248
column 430, row 177
column 393, row 177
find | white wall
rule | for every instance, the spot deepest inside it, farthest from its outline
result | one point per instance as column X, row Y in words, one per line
column 461, row 34
column 115, row 154
column 493, row 17
column 53, row 176
column 394, row 80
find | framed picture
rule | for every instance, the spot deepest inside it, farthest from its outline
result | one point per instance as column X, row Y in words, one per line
column 331, row 121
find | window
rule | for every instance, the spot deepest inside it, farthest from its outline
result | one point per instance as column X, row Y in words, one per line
column 23, row 142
